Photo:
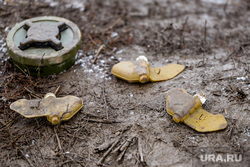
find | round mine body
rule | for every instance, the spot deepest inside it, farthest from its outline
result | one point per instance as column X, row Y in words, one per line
column 55, row 52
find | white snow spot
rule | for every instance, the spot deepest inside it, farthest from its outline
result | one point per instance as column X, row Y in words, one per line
column 114, row 34
column 27, row 155
column 53, row 4
column 7, row 29
column 76, row 5
column 201, row 97
column 247, row 132
column 191, row 138
column 119, row 51
column 102, row 61
column 4, row 50
column 3, row 47
column 241, row 78
column 219, row 2
column 131, row 95
column 79, row 61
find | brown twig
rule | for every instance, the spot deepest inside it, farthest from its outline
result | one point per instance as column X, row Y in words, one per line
column 22, row 70
column 39, row 66
column 33, row 94
column 115, row 23
column 29, row 162
column 58, row 140
column 57, row 89
column 124, row 148
column 117, row 150
column 105, row 101
column 182, row 42
column 205, row 34
column 229, row 134
column 104, row 146
column 108, row 151
column 98, row 52
column 91, row 39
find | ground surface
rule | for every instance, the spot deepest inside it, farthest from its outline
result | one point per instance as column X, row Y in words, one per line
column 211, row 38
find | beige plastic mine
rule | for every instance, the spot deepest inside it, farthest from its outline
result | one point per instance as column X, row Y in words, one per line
column 55, row 109
column 188, row 109
column 140, row 71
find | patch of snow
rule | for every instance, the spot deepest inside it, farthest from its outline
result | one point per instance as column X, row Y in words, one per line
column 7, row 29
column 53, row 4
column 119, row 51
column 102, row 61
column 114, row 34
column 219, row 2
column 131, row 95
column 241, row 78
column 247, row 132
column 98, row 69
column 191, row 138
column 201, row 97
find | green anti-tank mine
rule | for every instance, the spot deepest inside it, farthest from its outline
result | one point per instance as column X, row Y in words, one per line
column 44, row 45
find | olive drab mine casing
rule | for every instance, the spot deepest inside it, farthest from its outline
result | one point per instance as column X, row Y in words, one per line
column 55, row 109
column 140, row 71
column 188, row 109
column 45, row 45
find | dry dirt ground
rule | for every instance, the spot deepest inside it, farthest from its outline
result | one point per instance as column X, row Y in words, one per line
column 211, row 38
